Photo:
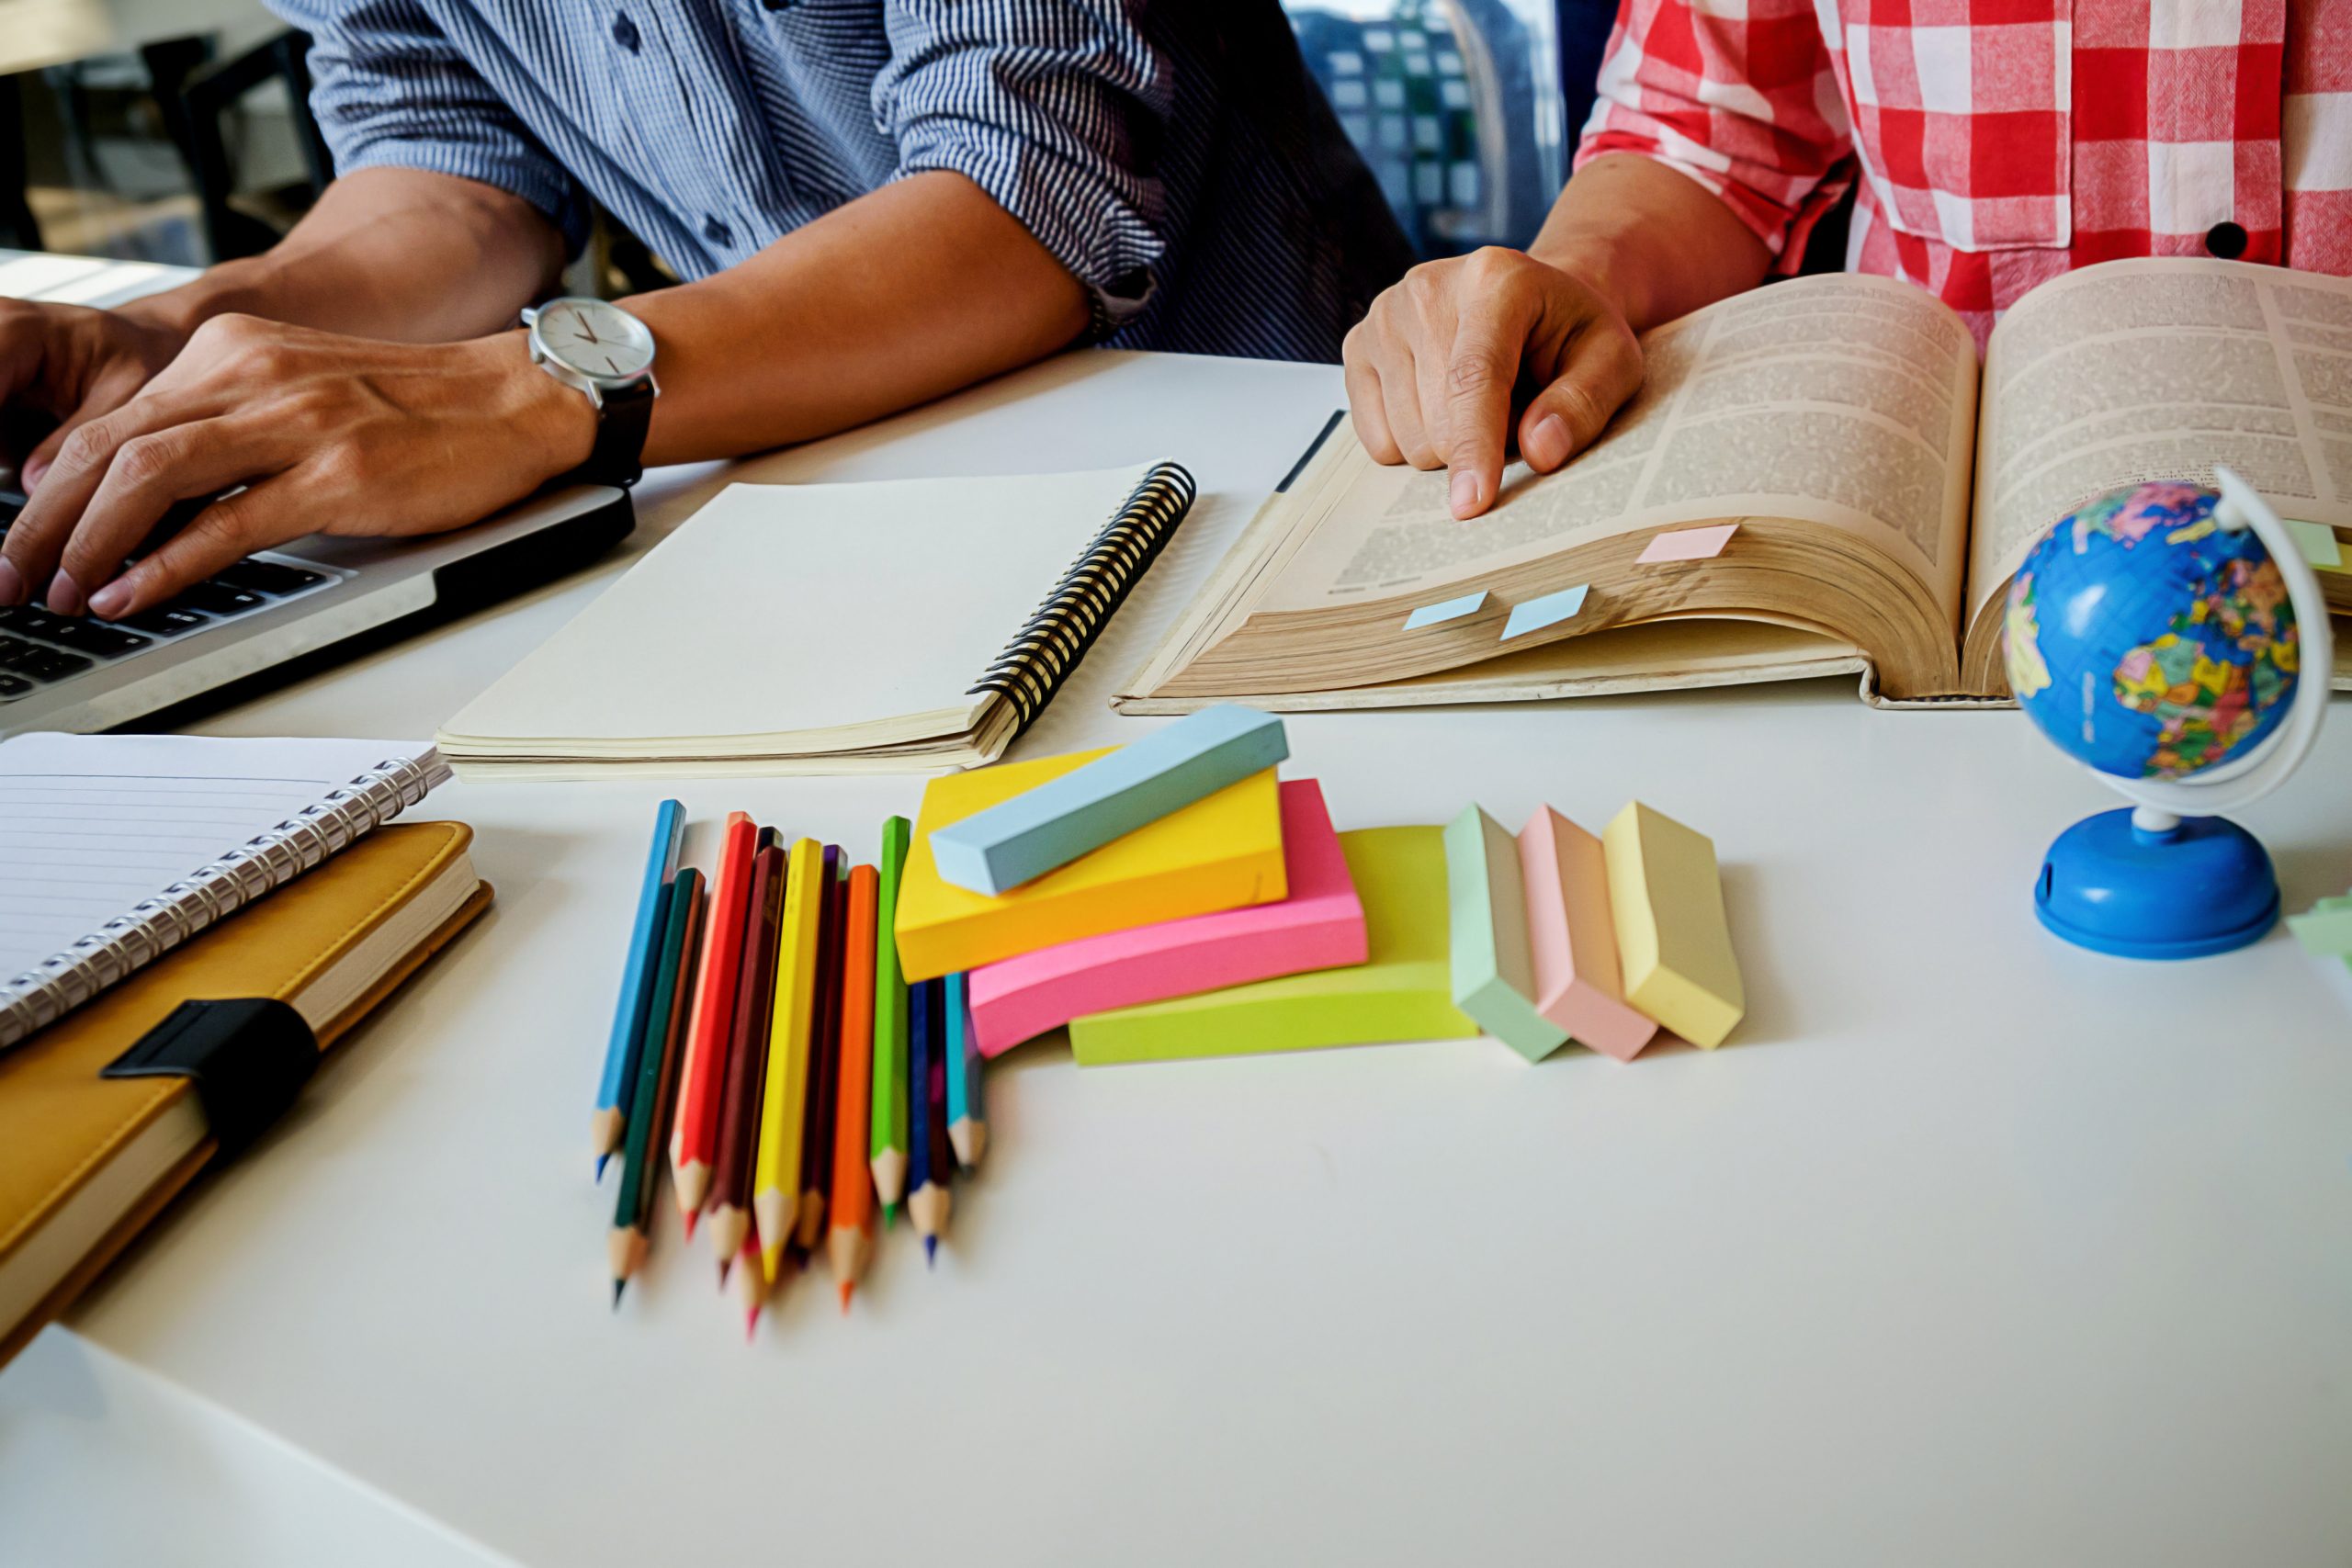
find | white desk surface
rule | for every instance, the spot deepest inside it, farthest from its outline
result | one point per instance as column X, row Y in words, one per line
column 1971, row 1249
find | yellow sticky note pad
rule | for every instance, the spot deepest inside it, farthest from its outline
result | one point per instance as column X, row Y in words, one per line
column 1223, row 852
column 1666, row 900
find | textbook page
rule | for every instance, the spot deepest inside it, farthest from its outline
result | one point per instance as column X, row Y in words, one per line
column 2158, row 369
column 1847, row 401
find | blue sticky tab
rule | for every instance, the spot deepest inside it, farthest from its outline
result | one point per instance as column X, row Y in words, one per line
column 1450, row 609
column 1549, row 611
column 614, row 1090
column 1022, row 839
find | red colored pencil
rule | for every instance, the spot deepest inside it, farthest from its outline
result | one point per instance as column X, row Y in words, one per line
column 851, row 1202
column 747, row 1058
column 691, row 1137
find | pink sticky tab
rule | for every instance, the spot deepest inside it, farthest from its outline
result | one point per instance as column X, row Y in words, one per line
column 1689, row 544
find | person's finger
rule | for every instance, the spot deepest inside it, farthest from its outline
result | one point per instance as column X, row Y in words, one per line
column 153, row 471
column 1369, row 413
column 1400, row 396
column 1480, row 377
column 1601, row 368
column 1433, row 302
column 221, row 535
column 107, row 393
column 37, row 539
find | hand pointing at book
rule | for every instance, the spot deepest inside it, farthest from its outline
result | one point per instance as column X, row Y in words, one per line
column 1465, row 354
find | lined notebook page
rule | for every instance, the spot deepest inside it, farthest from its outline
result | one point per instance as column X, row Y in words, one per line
column 92, row 824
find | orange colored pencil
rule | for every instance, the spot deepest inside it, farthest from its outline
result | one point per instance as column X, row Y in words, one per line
column 692, row 1138
column 850, row 1241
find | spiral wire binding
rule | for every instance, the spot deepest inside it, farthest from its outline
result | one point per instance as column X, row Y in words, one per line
column 1036, row 662
column 155, row 925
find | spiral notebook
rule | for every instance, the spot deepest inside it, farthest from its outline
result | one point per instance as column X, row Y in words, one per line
column 115, row 849
column 893, row 627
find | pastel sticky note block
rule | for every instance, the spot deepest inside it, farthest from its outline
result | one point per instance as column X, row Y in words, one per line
column 1549, row 611
column 1402, row 990
column 1573, row 938
column 1450, row 610
column 1221, row 852
column 1055, row 822
column 1688, row 543
column 1493, row 972
column 2324, row 931
column 2318, row 543
column 1320, row 926
column 1673, row 940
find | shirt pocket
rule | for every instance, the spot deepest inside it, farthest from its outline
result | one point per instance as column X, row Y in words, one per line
column 1965, row 131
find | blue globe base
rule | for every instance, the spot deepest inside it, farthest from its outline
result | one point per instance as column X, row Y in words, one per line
column 2205, row 886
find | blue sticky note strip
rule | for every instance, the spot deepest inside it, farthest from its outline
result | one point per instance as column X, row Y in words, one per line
column 963, row 1057
column 1450, row 609
column 644, row 952
column 1022, row 839
column 1549, row 611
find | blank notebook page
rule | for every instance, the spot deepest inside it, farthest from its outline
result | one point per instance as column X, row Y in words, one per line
column 717, row 631
column 92, row 824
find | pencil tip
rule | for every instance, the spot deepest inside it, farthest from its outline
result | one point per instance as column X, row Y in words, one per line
column 846, row 1288
column 618, row 1286
column 890, row 1215
column 692, row 1215
column 930, row 1251
column 600, row 1166
column 724, row 1264
column 750, row 1323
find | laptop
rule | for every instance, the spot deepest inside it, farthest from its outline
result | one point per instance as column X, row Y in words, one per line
column 301, row 603
column 277, row 613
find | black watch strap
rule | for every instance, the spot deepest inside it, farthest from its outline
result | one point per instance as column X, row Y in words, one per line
column 618, row 457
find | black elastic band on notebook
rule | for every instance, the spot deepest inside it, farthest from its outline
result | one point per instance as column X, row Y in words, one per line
column 249, row 1058
column 1034, row 664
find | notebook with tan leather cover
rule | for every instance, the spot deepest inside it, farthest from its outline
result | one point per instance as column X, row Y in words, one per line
column 86, row 1161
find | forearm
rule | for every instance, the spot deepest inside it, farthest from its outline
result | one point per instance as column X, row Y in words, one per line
column 1657, row 243
column 394, row 253
column 906, row 294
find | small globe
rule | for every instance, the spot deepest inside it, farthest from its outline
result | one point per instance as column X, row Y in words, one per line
column 2148, row 642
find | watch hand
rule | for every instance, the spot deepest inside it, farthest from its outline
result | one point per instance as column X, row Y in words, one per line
column 589, row 331
column 610, row 365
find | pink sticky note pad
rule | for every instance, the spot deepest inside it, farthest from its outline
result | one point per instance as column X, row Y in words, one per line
column 1320, row 926
column 1577, row 985
column 1688, row 543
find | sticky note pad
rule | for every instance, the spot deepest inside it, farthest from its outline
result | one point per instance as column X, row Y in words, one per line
column 2318, row 543
column 1534, row 614
column 1673, row 940
column 1402, row 990
column 1320, row 926
column 1687, row 544
column 1221, row 852
column 1448, row 610
column 1573, row 938
column 2325, row 929
column 1053, row 823
column 1493, row 973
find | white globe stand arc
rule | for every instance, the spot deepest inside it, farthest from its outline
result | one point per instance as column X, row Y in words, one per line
column 2163, row 802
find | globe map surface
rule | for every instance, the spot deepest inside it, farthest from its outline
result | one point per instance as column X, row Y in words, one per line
column 2148, row 642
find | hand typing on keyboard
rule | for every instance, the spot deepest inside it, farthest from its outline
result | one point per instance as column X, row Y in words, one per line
column 326, row 434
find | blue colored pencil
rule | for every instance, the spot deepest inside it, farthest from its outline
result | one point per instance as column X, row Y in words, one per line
column 931, row 1161
column 968, row 1116
column 618, row 1084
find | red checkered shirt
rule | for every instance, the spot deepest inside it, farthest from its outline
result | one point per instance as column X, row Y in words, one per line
column 2000, row 142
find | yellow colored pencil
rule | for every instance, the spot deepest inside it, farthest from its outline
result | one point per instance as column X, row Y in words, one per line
column 783, row 1103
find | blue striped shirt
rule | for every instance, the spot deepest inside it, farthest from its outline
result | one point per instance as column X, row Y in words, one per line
column 1175, row 157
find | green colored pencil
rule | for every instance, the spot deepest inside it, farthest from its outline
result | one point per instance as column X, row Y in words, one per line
column 887, row 1146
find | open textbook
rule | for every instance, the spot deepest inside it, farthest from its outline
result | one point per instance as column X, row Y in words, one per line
column 1884, row 491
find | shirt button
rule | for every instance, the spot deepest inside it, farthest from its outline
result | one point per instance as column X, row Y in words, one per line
column 624, row 33
column 2226, row 241
column 718, row 233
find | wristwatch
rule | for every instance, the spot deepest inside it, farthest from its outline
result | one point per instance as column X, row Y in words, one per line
column 608, row 355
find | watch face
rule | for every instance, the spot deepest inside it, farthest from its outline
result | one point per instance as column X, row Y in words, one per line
column 595, row 338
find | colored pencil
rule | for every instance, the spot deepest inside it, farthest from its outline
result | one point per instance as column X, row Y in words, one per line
column 930, row 1159
column 824, row 1058
column 968, row 1116
column 657, row 1071
column 695, row 1130
column 619, row 1082
column 887, row 1140
column 784, row 1097
column 751, row 1285
column 739, row 1101
column 850, row 1241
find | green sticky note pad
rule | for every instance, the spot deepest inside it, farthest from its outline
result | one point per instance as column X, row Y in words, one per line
column 2324, row 931
column 1493, row 963
column 2318, row 543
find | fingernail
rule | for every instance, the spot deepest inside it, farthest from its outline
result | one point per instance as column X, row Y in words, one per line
column 1465, row 493
column 31, row 475
column 64, row 595
column 1547, row 443
column 12, row 585
column 110, row 601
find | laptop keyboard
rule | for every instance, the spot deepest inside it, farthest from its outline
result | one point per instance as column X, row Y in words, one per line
column 38, row 647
